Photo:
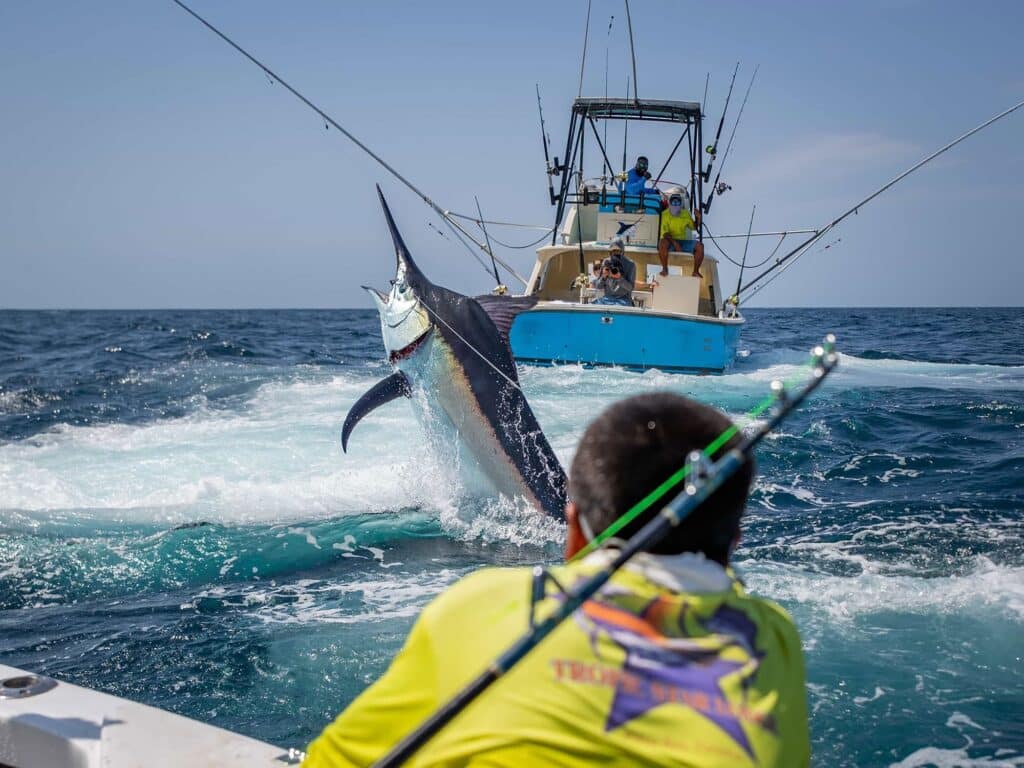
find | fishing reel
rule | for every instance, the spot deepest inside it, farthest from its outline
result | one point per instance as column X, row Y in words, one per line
column 722, row 188
column 711, row 149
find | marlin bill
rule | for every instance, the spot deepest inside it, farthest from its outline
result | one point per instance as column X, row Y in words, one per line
column 454, row 351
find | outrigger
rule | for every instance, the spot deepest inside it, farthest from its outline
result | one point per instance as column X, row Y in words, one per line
column 676, row 322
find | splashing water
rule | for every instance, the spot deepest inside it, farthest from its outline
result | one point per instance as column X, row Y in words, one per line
column 178, row 524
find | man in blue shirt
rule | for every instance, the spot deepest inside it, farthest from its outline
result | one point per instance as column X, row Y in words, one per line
column 636, row 178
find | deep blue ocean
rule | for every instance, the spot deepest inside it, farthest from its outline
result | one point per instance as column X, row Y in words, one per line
column 179, row 525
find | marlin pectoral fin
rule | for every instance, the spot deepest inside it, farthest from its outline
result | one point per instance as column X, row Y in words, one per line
column 394, row 386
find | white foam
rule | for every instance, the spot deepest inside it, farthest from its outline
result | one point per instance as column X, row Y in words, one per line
column 986, row 587
column 305, row 601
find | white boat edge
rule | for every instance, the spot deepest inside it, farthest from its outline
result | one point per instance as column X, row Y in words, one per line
column 46, row 723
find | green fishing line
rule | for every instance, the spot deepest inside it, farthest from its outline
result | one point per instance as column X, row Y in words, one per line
column 647, row 501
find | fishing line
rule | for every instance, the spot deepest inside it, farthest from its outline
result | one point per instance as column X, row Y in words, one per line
column 328, row 119
column 462, row 338
column 733, row 261
column 492, row 222
column 679, row 475
column 466, row 245
column 775, row 277
column 801, row 249
column 538, row 241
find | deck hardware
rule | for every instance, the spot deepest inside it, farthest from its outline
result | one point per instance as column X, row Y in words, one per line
column 23, row 686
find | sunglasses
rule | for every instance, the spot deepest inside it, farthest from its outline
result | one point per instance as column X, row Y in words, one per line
column 675, row 203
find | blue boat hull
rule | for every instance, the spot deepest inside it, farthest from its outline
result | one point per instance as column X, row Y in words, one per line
column 628, row 338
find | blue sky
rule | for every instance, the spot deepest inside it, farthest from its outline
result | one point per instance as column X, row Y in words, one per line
column 146, row 164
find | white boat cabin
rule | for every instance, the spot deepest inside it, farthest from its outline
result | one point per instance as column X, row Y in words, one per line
column 586, row 234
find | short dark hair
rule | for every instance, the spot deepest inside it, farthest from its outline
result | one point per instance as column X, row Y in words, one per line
column 637, row 444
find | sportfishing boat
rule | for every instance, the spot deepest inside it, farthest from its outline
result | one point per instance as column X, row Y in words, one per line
column 675, row 322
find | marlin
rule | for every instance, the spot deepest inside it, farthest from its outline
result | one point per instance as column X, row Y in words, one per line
column 452, row 352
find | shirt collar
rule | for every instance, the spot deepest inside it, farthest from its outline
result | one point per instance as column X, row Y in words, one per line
column 685, row 572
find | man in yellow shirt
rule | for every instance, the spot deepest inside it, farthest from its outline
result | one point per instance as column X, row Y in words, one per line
column 671, row 663
column 677, row 233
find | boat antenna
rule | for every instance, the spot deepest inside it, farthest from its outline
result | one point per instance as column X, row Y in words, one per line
column 818, row 234
column 707, row 82
column 583, row 60
column 273, row 76
column 702, row 479
column 632, row 51
column 547, row 157
column 720, row 186
column 607, row 43
column 487, row 239
column 734, row 299
column 712, row 148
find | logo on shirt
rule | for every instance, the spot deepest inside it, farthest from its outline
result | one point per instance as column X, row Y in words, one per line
column 662, row 668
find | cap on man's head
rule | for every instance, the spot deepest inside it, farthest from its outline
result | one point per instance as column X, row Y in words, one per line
column 616, row 245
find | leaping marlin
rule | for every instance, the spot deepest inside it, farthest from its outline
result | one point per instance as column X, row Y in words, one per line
column 455, row 350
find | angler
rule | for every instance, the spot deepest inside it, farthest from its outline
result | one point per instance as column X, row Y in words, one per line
column 671, row 662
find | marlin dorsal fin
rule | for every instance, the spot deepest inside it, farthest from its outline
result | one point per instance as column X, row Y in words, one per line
column 504, row 309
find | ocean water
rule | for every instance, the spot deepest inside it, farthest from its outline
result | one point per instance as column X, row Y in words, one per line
column 178, row 524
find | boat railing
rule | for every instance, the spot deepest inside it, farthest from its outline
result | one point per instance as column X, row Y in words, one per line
column 613, row 200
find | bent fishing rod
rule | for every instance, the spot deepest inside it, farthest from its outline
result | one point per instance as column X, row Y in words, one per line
column 819, row 233
column 274, row 77
column 703, row 477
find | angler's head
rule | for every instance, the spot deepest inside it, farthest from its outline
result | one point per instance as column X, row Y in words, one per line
column 404, row 320
column 641, row 164
column 633, row 447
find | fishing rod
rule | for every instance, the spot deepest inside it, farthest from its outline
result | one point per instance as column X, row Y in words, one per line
column 755, row 234
column 607, row 43
column 712, row 148
column 551, row 171
column 586, row 37
column 819, row 233
column 498, row 287
column 743, row 264
column 274, row 77
column 625, row 129
column 632, row 51
column 703, row 477
column 720, row 186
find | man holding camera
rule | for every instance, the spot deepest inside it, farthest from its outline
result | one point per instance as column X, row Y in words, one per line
column 618, row 277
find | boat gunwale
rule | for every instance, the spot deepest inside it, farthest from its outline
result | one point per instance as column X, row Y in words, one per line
column 564, row 306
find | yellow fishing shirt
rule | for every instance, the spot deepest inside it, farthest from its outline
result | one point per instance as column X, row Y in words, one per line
column 643, row 674
column 677, row 227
